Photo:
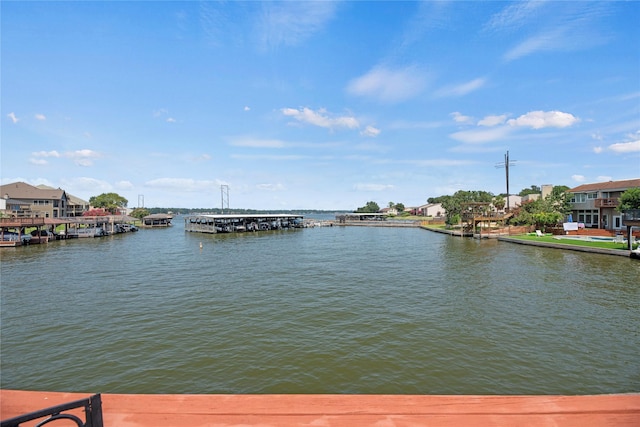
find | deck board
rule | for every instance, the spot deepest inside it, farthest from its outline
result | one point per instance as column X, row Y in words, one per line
column 342, row 410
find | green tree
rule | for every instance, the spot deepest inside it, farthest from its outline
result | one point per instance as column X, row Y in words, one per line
column 558, row 201
column 630, row 199
column 437, row 199
column 499, row 202
column 545, row 219
column 109, row 201
column 140, row 213
column 534, row 189
column 453, row 205
column 546, row 212
column 399, row 207
column 370, row 207
column 524, row 214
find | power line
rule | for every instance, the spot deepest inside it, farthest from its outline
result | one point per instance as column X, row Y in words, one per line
column 224, row 196
column 506, row 165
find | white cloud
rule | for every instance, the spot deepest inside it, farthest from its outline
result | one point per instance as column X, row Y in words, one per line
column 83, row 157
column 202, row 158
column 578, row 178
column 544, row 119
column 291, row 23
column 46, row 154
column 373, row 187
column 370, row 131
column 86, row 184
column 270, row 187
column 246, row 108
column 604, row 178
column 462, row 89
column 80, row 157
column 321, row 118
column 514, row 15
column 625, row 147
column 171, row 120
column 38, row 162
column 40, row 117
column 597, row 150
column 459, row 118
column 551, row 40
column 493, row 120
column 124, row 185
column 567, row 26
column 183, row 184
column 481, row 136
column 269, row 157
column 389, row 86
column 257, row 143
column 439, row 162
column 13, row 117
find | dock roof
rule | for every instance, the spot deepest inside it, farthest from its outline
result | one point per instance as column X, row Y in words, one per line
column 240, row 216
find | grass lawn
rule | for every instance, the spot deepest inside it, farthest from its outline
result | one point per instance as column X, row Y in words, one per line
column 439, row 227
column 550, row 239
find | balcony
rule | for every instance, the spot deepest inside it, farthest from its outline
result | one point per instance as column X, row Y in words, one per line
column 606, row 203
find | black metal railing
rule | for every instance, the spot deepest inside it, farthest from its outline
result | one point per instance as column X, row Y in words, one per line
column 631, row 215
column 92, row 414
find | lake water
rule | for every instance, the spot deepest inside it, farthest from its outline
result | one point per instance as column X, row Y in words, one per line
column 322, row 310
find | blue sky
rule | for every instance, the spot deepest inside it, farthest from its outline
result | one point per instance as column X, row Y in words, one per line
column 317, row 105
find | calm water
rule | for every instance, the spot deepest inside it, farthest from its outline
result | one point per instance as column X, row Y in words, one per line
column 323, row 310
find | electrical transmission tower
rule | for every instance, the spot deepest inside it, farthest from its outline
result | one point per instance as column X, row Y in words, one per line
column 224, row 196
column 506, row 165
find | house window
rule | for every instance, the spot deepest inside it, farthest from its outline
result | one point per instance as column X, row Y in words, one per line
column 592, row 195
column 579, row 198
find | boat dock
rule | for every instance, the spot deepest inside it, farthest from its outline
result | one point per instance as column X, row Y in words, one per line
column 26, row 231
column 297, row 410
column 232, row 223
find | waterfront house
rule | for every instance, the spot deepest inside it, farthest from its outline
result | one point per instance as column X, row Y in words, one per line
column 27, row 201
column 75, row 205
column 389, row 211
column 431, row 209
column 545, row 191
column 595, row 205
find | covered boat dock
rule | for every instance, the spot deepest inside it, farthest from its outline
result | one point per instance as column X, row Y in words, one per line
column 231, row 223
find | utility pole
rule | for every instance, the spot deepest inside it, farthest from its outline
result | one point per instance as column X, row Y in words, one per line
column 224, row 196
column 506, row 165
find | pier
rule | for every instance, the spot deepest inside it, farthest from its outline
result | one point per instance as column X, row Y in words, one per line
column 297, row 410
column 233, row 223
column 23, row 231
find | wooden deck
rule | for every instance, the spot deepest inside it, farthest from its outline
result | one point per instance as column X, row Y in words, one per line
column 342, row 410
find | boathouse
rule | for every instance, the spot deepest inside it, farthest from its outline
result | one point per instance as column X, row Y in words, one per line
column 241, row 222
column 156, row 221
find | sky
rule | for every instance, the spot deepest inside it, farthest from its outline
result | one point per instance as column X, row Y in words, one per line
column 317, row 105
